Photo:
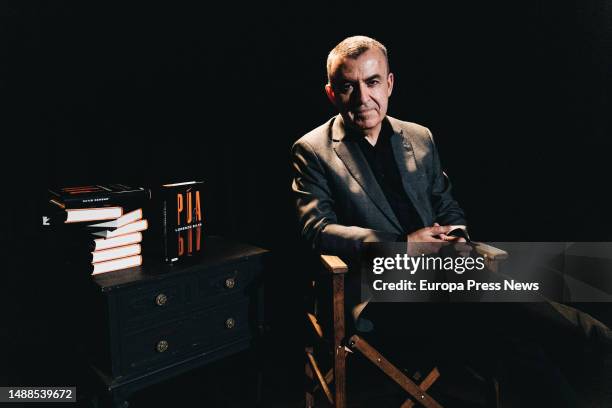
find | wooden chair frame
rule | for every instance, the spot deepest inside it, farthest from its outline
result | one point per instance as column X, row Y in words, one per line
column 316, row 380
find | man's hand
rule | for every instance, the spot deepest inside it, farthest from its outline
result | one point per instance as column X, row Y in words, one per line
column 420, row 241
column 460, row 244
column 437, row 233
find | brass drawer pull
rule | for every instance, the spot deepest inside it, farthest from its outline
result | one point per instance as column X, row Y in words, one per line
column 230, row 323
column 230, row 283
column 161, row 299
column 162, row 346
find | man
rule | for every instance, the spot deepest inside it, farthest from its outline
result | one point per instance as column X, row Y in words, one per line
column 364, row 176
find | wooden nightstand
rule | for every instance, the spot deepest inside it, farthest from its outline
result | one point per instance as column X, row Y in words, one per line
column 157, row 321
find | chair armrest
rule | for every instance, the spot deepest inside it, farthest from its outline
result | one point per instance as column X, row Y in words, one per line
column 490, row 252
column 333, row 264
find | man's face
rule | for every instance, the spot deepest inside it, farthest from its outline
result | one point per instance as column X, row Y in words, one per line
column 360, row 89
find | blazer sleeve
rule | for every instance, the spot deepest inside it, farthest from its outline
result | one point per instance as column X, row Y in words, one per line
column 446, row 210
column 317, row 219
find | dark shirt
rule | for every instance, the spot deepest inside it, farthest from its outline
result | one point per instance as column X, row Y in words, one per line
column 382, row 163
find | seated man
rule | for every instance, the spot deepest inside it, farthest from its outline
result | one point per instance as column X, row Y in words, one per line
column 364, row 176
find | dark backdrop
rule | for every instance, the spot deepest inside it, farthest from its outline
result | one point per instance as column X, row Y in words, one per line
column 516, row 95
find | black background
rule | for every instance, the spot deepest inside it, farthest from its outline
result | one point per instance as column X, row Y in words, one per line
column 516, row 95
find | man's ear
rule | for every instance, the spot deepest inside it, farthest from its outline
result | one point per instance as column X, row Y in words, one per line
column 330, row 94
column 390, row 79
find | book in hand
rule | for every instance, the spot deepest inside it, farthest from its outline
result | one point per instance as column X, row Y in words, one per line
column 100, row 195
column 116, row 264
column 121, row 221
column 182, row 222
column 136, row 226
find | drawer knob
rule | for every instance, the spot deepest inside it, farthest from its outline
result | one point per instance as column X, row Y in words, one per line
column 230, row 283
column 162, row 346
column 230, row 323
column 161, row 299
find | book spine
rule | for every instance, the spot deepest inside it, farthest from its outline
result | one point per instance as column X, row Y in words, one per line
column 165, row 227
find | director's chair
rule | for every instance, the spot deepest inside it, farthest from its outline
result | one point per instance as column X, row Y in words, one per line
column 335, row 344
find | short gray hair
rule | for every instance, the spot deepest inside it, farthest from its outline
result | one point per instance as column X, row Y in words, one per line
column 353, row 47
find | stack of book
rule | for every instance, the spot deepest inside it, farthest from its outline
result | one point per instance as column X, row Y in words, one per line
column 102, row 225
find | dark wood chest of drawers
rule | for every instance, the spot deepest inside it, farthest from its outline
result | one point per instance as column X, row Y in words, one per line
column 157, row 321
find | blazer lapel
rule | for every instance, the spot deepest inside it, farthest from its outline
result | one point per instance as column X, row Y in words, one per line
column 349, row 152
column 409, row 172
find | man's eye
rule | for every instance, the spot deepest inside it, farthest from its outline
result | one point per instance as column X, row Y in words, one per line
column 373, row 82
column 346, row 87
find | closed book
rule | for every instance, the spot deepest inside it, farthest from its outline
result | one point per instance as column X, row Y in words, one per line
column 121, row 221
column 57, row 214
column 115, row 264
column 137, row 226
column 100, row 195
column 100, row 244
column 182, row 222
column 78, row 241
column 115, row 253
column 79, row 251
column 93, row 214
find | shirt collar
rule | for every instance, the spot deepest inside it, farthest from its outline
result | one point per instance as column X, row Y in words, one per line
column 386, row 131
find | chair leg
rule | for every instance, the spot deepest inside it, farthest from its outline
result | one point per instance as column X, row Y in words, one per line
column 339, row 333
column 340, row 376
column 314, row 367
column 329, row 377
column 309, row 397
column 393, row 372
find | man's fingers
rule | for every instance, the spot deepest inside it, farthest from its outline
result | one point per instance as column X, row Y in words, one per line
column 440, row 229
column 451, row 238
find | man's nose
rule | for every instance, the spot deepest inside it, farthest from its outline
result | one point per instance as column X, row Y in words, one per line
column 362, row 95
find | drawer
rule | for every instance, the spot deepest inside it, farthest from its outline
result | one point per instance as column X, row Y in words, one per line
column 217, row 326
column 152, row 302
column 228, row 280
column 201, row 331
